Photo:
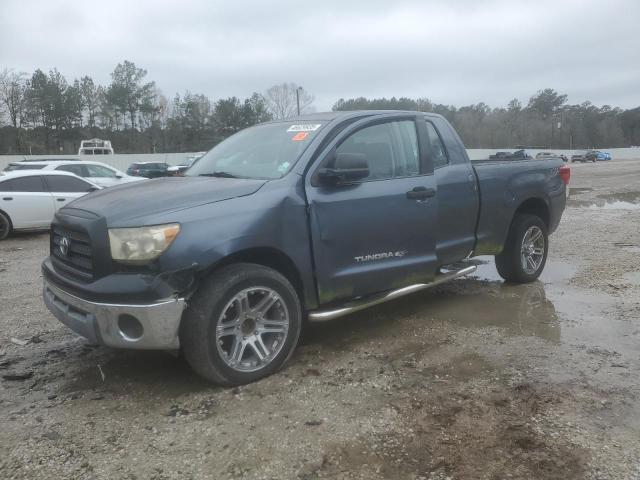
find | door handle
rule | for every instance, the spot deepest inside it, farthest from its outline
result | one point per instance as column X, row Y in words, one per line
column 61, row 199
column 7, row 198
column 421, row 193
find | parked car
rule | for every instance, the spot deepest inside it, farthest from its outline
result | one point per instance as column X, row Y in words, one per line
column 148, row 169
column 578, row 157
column 597, row 155
column 178, row 170
column 313, row 217
column 29, row 198
column 96, row 172
column 500, row 155
column 517, row 155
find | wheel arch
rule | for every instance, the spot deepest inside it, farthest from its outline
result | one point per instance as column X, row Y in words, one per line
column 267, row 257
column 534, row 206
column 8, row 217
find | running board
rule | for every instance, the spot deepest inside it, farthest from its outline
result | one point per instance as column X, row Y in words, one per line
column 361, row 304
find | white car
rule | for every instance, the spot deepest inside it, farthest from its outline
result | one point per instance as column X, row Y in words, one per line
column 30, row 198
column 96, row 172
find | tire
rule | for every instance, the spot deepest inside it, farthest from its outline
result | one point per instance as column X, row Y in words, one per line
column 510, row 263
column 5, row 226
column 227, row 352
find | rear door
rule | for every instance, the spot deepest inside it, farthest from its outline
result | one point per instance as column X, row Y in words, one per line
column 27, row 202
column 377, row 234
column 458, row 196
column 65, row 188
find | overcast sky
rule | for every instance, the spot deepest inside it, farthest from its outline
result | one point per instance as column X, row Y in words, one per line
column 454, row 52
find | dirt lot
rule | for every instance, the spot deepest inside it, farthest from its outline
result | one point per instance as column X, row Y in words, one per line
column 473, row 380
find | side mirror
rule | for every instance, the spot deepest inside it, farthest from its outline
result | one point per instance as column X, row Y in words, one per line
column 118, row 176
column 93, row 189
column 347, row 168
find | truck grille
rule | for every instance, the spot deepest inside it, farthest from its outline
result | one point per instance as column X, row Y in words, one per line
column 71, row 252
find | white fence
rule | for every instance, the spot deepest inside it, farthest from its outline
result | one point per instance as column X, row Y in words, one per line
column 122, row 161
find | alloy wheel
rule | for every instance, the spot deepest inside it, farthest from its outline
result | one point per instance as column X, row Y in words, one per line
column 532, row 250
column 252, row 329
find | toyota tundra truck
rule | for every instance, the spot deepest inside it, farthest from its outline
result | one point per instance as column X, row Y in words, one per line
column 293, row 221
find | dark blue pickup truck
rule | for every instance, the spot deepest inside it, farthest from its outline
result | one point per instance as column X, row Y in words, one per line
column 305, row 219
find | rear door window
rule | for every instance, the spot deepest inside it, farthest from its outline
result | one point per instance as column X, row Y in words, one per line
column 100, row 171
column 79, row 170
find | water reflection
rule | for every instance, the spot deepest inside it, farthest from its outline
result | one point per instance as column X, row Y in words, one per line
column 480, row 301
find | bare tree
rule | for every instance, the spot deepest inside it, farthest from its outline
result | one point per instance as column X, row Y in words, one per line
column 282, row 100
column 13, row 86
column 13, row 99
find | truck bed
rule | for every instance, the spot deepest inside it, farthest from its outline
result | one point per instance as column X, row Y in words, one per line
column 503, row 185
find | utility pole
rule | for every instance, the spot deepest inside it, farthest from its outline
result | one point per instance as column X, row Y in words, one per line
column 298, row 90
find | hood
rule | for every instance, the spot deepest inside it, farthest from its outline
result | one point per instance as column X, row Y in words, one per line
column 163, row 195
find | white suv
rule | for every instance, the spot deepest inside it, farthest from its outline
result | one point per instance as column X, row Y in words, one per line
column 96, row 172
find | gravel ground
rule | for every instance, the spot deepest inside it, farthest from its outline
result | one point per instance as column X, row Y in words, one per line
column 475, row 379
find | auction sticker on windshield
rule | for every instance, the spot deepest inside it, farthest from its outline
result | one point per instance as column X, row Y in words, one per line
column 304, row 128
column 300, row 136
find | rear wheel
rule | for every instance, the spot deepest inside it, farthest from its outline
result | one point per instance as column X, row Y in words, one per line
column 242, row 324
column 525, row 251
column 5, row 226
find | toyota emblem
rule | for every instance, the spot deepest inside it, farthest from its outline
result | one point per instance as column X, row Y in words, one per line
column 64, row 246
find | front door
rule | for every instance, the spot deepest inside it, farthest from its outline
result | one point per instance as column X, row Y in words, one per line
column 376, row 234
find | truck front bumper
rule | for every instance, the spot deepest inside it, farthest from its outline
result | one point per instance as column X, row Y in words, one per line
column 152, row 326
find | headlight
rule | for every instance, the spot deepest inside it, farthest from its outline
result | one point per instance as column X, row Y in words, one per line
column 142, row 244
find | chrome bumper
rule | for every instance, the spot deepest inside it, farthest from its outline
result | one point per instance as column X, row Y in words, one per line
column 153, row 327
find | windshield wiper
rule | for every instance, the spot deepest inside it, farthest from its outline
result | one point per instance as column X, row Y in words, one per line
column 218, row 174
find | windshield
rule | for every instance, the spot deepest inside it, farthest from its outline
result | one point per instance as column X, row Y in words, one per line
column 263, row 151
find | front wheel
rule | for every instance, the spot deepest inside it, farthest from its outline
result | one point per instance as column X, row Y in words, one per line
column 525, row 251
column 242, row 324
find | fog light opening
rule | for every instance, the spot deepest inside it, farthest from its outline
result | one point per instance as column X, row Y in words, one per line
column 130, row 327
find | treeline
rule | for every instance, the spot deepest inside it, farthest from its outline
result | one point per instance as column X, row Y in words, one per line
column 546, row 121
column 45, row 113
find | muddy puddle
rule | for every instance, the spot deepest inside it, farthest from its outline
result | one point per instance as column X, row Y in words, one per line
column 579, row 190
column 607, row 201
column 550, row 309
